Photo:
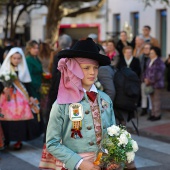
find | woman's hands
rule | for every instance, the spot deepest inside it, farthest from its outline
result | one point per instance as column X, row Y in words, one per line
column 7, row 90
column 88, row 165
column 31, row 99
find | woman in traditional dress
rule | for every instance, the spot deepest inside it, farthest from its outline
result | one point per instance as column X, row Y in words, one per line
column 81, row 114
column 15, row 100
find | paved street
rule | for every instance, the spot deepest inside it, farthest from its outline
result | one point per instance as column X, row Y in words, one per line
column 152, row 155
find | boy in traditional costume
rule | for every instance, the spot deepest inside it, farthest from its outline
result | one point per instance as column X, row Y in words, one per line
column 81, row 114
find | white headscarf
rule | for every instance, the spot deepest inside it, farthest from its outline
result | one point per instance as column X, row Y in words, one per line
column 23, row 72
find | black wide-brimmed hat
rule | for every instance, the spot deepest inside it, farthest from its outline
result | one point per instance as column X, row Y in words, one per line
column 85, row 49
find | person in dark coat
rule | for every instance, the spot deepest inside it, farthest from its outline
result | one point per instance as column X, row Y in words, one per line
column 1, row 55
column 122, row 43
column 129, row 61
column 106, row 78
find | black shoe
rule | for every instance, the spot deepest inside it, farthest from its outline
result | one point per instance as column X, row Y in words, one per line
column 6, row 143
column 151, row 117
column 144, row 112
column 156, row 118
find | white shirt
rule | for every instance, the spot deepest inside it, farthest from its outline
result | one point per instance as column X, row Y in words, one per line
column 93, row 88
column 128, row 62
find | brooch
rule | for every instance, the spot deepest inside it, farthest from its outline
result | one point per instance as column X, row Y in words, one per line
column 76, row 116
column 104, row 104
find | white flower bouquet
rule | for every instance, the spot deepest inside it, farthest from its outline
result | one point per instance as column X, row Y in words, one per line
column 7, row 78
column 117, row 148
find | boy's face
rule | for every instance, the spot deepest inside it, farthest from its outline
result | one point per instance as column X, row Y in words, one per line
column 90, row 74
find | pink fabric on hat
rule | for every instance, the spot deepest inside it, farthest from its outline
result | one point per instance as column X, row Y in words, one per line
column 70, row 87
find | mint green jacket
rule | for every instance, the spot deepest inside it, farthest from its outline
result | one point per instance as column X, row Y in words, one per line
column 59, row 128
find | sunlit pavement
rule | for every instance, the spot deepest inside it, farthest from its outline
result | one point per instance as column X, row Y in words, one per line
column 152, row 155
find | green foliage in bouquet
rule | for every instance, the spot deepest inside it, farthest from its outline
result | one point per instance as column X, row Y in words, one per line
column 118, row 146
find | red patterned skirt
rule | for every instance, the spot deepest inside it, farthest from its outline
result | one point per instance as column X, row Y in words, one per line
column 48, row 161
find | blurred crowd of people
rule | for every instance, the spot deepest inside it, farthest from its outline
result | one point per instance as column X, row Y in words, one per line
column 36, row 87
column 143, row 56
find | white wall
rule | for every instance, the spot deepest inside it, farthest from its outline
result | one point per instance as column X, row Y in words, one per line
column 168, row 32
column 2, row 23
column 38, row 21
column 147, row 16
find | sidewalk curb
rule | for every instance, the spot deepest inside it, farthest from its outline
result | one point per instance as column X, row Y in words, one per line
column 147, row 134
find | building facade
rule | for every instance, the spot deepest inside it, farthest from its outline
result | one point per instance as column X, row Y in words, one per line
column 77, row 27
column 135, row 14
column 106, row 23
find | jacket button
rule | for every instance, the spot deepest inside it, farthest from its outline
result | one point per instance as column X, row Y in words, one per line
column 104, row 127
column 91, row 143
column 87, row 112
column 102, row 111
column 89, row 127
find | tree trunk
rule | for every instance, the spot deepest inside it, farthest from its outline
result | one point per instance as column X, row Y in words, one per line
column 55, row 32
column 54, row 17
column 56, row 13
column 7, row 23
column 12, row 29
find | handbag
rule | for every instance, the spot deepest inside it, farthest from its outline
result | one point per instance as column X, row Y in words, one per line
column 149, row 90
